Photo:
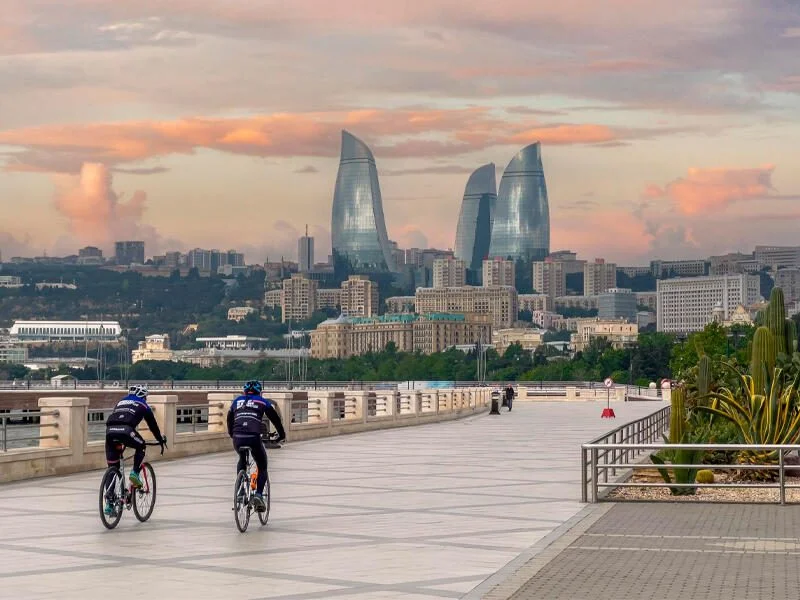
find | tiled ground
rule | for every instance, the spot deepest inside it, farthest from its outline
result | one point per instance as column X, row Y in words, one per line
column 414, row 513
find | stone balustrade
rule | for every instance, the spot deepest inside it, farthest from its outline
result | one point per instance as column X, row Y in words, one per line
column 64, row 445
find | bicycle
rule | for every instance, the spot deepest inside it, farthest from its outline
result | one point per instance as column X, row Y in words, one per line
column 245, row 488
column 115, row 491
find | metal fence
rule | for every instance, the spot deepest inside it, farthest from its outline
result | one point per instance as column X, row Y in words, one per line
column 617, row 448
column 621, row 450
column 22, row 429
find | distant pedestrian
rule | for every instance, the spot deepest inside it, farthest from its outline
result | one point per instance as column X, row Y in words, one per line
column 509, row 396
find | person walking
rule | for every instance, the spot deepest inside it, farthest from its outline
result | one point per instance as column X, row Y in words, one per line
column 509, row 393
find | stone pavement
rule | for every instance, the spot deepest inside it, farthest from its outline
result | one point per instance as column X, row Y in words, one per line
column 414, row 513
column 667, row 551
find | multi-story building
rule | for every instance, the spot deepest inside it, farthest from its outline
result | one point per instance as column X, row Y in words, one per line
column 529, row 339
column 521, row 223
column 174, row 260
column 548, row 320
column 500, row 302
column 788, row 280
column 231, row 258
column 66, row 331
column 617, row 303
column 661, row 269
column 449, row 272
column 634, row 271
column 305, row 253
column 329, row 298
column 620, row 333
column 775, row 257
column 358, row 228
column 569, row 260
column 686, row 305
column 549, row 278
column 731, row 263
column 154, row 347
column 10, row 281
column 398, row 255
column 474, row 231
column 274, row 298
column 534, row 302
column 90, row 255
column 582, row 302
column 13, row 353
column 647, row 299
column 598, row 277
column 352, row 336
column 129, row 253
column 498, row 271
column 299, row 298
column 240, row 313
column 359, row 296
column 401, row 304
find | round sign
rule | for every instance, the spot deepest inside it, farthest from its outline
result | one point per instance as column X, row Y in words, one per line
column 608, row 382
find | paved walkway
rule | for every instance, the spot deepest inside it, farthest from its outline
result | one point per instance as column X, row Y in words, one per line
column 414, row 513
column 665, row 551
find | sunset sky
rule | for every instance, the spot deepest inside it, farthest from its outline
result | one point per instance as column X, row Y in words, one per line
column 669, row 129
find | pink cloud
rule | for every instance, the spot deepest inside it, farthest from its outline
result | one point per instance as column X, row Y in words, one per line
column 709, row 190
column 458, row 131
column 617, row 231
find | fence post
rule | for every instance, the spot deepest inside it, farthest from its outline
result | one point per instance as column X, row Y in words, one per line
column 594, row 475
column 782, row 475
column 165, row 410
column 584, row 483
column 222, row 403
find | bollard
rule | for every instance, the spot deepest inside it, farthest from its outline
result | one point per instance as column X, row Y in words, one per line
column 495, row 404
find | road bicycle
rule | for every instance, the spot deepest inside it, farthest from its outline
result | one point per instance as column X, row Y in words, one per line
column 245, row 488
column 114, row 490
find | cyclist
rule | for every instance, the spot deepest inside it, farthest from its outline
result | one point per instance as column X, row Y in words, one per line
column 121, row 429
column 244, row 427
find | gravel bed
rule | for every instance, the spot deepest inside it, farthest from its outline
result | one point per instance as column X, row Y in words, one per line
column 744, row 495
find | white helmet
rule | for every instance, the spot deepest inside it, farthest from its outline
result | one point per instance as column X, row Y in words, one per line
column 138, row 390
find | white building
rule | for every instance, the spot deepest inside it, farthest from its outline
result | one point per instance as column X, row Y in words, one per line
column 679, row 268
column 65, row 331
column 788, row 280
column 498, row 271
column 449, row 272
column 775, row 257
column 10, row 281
column 240, row 313
column 686, row 304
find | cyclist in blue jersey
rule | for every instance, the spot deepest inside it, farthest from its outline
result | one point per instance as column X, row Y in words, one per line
column 244, row 427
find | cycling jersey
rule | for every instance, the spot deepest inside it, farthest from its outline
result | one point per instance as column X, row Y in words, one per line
column 244, row 417
column 130, row 411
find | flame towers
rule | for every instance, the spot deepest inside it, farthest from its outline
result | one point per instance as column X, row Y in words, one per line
column 473, row 235
column 521, row 227
column 358, row 228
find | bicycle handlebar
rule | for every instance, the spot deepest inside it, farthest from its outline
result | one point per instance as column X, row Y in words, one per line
column 164, row 445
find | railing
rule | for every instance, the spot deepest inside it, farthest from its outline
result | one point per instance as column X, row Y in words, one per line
column 22, row 433
column 626, row 442
column 198, row 417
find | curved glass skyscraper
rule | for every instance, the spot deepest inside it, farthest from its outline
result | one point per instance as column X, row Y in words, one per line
column 474, row 232
column 358, row 229
column 521, row 228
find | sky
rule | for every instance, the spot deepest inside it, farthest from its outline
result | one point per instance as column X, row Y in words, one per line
column 669, row 130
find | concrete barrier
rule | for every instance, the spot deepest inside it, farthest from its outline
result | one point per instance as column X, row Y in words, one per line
column 63, row 429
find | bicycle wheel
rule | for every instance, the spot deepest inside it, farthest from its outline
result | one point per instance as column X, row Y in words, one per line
column 144, row 498
column 111, row 493
column 241, row 501
column 264, row 516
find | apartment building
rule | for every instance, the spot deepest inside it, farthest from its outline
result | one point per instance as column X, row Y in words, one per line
column 497, row 272
column 501, row 302
column 299, row 298
column 359, row 297
column 598, row 277
column 449, row 272
column 549, row 278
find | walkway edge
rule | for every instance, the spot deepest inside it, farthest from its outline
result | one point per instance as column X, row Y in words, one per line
column 508, row 580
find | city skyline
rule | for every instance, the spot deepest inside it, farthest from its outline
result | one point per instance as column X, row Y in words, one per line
column 669, row 130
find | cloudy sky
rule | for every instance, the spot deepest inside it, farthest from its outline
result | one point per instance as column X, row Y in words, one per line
column 670, row 129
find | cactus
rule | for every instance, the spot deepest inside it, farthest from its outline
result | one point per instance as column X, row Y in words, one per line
column 677, row 416
column 704, row 375
column 776, row 319
column 791, row 337
column 705, row 476
column 762, row 361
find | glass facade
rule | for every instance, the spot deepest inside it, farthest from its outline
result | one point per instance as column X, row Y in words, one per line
column 358, row 229
column 473, row 235
column 521, row 228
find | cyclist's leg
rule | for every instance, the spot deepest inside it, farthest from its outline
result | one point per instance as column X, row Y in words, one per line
column 238, row 442
column 136, row 442
column 260, row 456
column 112, row 454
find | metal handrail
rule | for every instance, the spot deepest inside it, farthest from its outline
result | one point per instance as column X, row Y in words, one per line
column 594, row 448
column 28, row 414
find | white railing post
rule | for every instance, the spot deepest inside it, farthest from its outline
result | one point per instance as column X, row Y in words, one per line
column 165, row 410
column 218, row 406
column 70, row 424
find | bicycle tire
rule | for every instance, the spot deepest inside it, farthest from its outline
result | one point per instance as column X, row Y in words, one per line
column 241, row 501
column 144, row 494
column 111, row 484
column 264, row 516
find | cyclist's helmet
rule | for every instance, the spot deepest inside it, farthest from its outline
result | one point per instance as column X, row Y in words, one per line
column 252, row 388
column 139, row 390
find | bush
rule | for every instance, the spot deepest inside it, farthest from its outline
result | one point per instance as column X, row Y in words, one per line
column 705, row 476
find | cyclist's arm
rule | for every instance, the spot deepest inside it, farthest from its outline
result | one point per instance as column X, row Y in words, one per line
column 275, row 418
column 230, row 421
column 150, row 419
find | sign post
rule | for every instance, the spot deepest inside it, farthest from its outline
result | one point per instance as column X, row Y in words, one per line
column 608, row 412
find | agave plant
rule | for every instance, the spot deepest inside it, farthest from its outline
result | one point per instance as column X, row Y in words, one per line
column 761, row 419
